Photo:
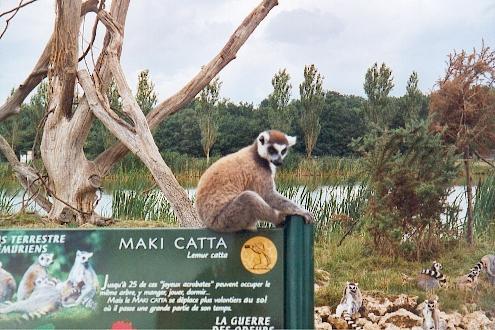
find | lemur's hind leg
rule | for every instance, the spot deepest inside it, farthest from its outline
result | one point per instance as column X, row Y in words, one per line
column 244, row 211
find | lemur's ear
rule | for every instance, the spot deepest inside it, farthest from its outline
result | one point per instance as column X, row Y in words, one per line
column 291, row 140
column 262, row 139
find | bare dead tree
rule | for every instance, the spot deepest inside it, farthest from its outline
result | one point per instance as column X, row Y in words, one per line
column 72, row 180
column 463, row 110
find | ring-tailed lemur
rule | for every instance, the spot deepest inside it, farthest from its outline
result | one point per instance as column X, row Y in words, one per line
column 489, row 266
column 432, row 278
column 47, row 297
column 431, row 319
column 470, row 280
column 7, row 285
column 83, row 275
column 37, row 270
column 351, row 303
column 239, row 189
column 435, row 272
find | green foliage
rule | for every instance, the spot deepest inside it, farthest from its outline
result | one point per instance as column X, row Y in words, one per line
column 378, row 83
column 6, row 200
column 484, row 207
column 20, row 130
column 207, row 113
column 280, row 111
column 142, row 205
column 145, row 95
column 312, row 101
column 341, row 122
column 411, row 174
column 413, row 97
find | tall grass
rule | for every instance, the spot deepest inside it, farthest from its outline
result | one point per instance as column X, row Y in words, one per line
column 336, row 208
column 139, row 205
column 6, row 200
column 484, row 206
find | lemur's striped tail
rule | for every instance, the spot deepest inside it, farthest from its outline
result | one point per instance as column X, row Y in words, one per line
column 478, row 267
column 350, row 321
column 435, row 274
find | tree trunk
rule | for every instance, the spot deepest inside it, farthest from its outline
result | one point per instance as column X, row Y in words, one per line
column 469, row 193
column 73, row 180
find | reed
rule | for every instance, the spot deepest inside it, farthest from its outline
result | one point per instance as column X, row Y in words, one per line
column 142, row 205
column 484, row 206
column 6, row 200
column 336, row 208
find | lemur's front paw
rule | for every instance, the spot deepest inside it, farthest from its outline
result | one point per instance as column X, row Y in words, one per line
column 308, row 217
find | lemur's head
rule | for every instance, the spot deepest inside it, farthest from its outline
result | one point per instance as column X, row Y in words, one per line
column 352, row 287
column 83, row 256
column 430, row 304
column 437, row 266
column 273, row 146
column 45, row 259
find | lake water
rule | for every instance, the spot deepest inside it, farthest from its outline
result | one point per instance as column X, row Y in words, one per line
column 326, row 192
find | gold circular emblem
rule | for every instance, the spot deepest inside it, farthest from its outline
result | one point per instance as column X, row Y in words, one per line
column 259, row 255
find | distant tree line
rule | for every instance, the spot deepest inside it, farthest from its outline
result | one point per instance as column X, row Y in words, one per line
column 326, row 122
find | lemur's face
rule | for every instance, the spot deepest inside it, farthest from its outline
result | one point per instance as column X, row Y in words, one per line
column 45, row 259
column 273, row 146
column 83, row 256
column 431, row 304
column 352, row 287
column 437, row 266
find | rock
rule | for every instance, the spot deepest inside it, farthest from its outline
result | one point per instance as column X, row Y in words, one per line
column 380, row 305
column 323, row 312
column 389, row 326
column 452, row 320
column 373, row 318
column 366, row 324
column 337, row 322
column 323, row 326
column 477, row 320
column 402, row 319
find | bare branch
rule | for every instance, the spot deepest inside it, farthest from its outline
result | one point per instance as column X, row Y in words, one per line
column 26, row 175
column 13, row 103
column 93, row 33
column 15, row 11
column 19, row 6
column 140, row 142
column 162, row 111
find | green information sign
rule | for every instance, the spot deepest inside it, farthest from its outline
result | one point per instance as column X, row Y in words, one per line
column 157, row 279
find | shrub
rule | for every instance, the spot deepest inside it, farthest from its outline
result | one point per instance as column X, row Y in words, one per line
column 411, row 174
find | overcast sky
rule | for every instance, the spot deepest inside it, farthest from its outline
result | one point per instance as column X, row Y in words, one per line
column 173, row 39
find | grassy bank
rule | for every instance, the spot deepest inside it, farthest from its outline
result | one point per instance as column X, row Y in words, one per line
column 297, row 169
column 354, row 261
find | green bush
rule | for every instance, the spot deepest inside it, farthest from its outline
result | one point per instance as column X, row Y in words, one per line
column 411, row 174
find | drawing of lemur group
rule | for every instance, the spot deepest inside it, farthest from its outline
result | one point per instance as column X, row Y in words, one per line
column 39, row 294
